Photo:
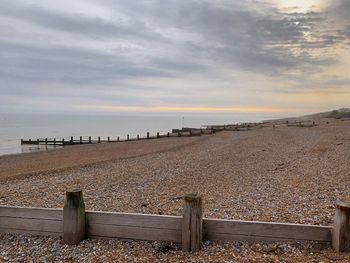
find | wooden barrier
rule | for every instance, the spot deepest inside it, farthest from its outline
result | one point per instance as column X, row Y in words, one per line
column 133, row 226
column 341, row 230
column 73, row 223
column 192, row 222
column 237, row 230
column 36, row 221
column 73, row 218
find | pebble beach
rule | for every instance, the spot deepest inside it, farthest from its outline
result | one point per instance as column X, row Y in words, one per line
column 281, row 174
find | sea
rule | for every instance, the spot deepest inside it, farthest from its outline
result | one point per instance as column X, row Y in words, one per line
column 14, row 127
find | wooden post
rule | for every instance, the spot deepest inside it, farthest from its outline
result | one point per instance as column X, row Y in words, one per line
column 46, row 141
column 81, row 139
column 190, row 132
column 21, row 141
column 73, row 217
column 138, row 137
column 62, row 141
column 168, row 135
column 71, row 139
column 89, row 139
column 341, row 228
column 99, row 139
column 157, row 134
column 127, row 137
column 192, row 222
column 108, row 139
column 147, row 135
column 118, row 139
column 54, row 141
column 37, row 140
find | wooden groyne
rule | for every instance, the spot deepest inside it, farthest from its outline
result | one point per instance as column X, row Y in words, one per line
column 75, row 224
column 110, row 139
column 184, row 132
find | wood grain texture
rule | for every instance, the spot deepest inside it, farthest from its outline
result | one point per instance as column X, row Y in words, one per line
column 129, row 219
column 192, row 223
column 341, row 231
column 30, row 212
column 216, row 229
column 29, row 224
column 133, row 232
column 133, row 226
column 73, row 218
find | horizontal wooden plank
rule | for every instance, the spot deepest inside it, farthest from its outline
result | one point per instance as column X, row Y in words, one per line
column 233, row 229
column 28, row 232
column 129, row 232
column 140, row 220
column 30, row 212
column 31, row 224
column 244, row 238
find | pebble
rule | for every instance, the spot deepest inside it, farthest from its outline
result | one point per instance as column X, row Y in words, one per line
column 229, row 169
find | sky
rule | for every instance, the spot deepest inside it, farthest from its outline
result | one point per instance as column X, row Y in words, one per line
column 174, row 56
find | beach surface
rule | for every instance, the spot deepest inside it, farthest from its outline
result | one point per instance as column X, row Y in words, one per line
column 285, row 174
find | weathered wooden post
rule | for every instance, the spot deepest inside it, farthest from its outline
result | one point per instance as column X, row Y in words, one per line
column 81, row 139
column 108, row 139
column 54, row 141
column 45, row 141
column 138, row 137
column 192, row 222
column 62, row 141
column 73, row 217
column 118, row 139
column 157, row 134
column 37, row 141
column 341, row 228
column 98, row 139
column 147, row 135
column 89, row 139
column 71, row 139
column 127, row 137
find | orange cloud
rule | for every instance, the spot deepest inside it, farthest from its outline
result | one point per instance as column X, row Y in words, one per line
column 118, row 108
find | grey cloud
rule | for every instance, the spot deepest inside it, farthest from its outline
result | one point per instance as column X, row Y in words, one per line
column 236, row 35
column 78, row 24
column 68, row 65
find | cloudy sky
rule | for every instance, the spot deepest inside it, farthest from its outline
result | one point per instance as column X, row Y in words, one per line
column 169, row 56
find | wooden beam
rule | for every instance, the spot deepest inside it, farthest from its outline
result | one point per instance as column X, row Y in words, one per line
column 192, row 223
column 73, row 218
column 237, row 230
column 341, row 229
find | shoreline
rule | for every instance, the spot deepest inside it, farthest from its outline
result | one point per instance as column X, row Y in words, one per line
column 282, row 174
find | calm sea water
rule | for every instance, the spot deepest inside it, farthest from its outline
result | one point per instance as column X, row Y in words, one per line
column 13, row 127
